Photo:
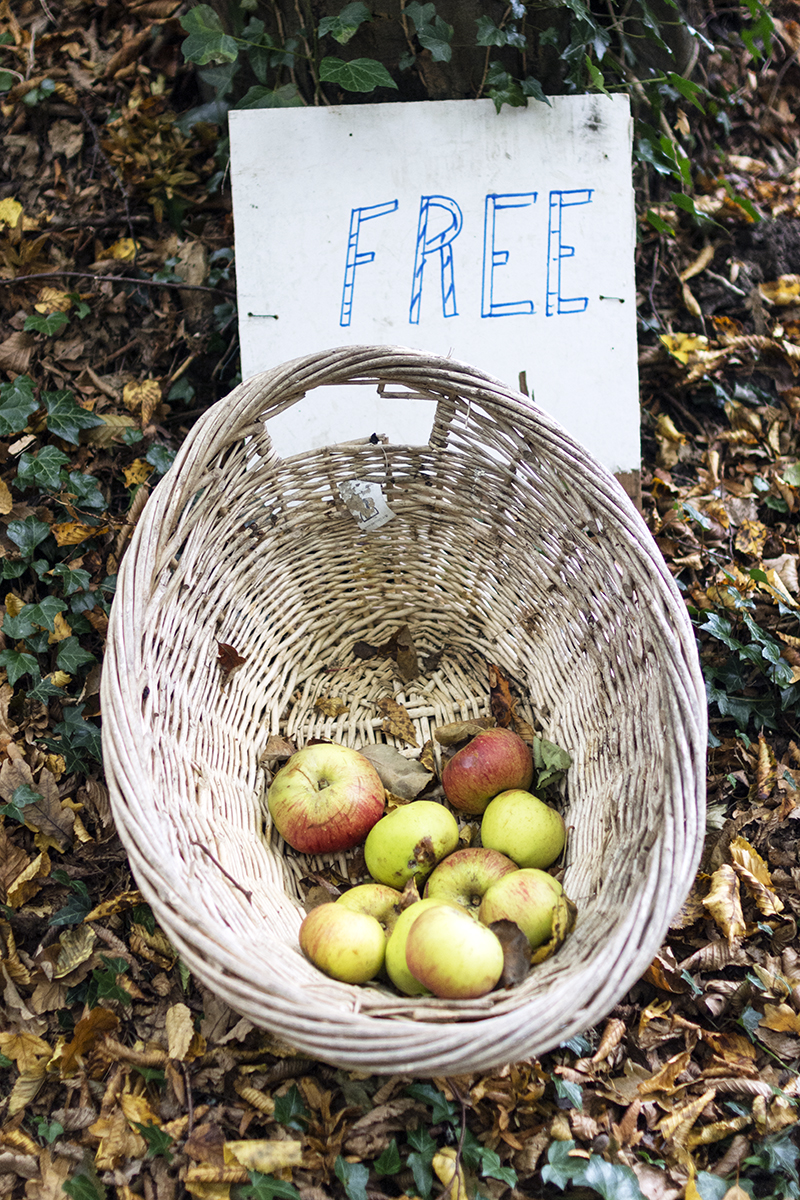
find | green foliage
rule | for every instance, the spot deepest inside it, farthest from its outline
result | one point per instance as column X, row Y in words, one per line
column 101, row 986
column 207, row 41
column 347, row 23
column 442, row 1109
column 423, row 1148
column 50, row 325
column 85, row 1185
column 21, row 797
column 291, row 1111
column 78, row 905
column 266, row 1187
column 389, row 1161
column 358, row 75
column 613, row 1181
column 354, row 1177
column 158, row 1140
column 17, row 403
column 66, row 418
column 778, row 1156
column 48, row 1131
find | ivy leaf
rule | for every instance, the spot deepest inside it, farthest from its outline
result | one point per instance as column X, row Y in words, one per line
column 442, row 1109
column 160, row 457
column 359, row 75
column 43, row 690
column 267, row 1187
column 74, row 579
column 437, row 38
column 77, row 907
column 44, row 613
column 20, row 626
column 158, row 1140
column 21, row 797
column 420, row 1160
column 611, row 1180
column 85, row 491
column 17, row 664
column 597, row 77
column 389, row 1162
column 346, row 24
column 72, row 655
column 420, row 14
column 49, row 325
column 65, row 418
column 259, row 96
column 354, row 1177
column 85, row 1186
column 503, row 89
column 207, row 41
column 489, row 34
column 687, row 89
column 290, row 1109
column 17, row 403
column 532, row 87
column 42, row 470
column 27, row 534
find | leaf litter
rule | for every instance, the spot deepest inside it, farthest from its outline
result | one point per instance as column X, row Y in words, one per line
column 120, row 1072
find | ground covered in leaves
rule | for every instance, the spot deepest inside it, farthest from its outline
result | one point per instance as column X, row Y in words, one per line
column 119, row 1075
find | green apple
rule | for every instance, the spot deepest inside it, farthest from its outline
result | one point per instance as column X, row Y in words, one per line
column 396, row 967
column 452, row 954
column 527, row 897
column 465, row 875
column 410, row 841
column 378, row 900
column 522, row 826
column 347, row 945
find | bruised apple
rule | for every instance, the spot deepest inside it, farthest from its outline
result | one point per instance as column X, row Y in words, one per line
column 527, row 897
column 347, row 945
column 522, row 826
column 493, row 761
column 465, row 875
column 452, row 954
column 410, row 841
column 325, row 798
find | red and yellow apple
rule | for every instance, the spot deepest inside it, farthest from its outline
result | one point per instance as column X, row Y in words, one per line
column 325, row 798
column 465, row 875
column 347, row 945
column 527, row 897
column 453, row 955
column 377, row 900
column 492, row 762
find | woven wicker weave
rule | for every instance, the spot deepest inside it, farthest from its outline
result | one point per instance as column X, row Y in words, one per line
column 509, row 545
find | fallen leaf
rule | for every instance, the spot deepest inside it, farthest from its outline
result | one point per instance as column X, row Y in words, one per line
column 461, row 731
column 229, row 659
column 699, row 264
column 52, row 300
column 77, row 946
column 10, row 212
column 183, row 1043
column 450, row 1172
column 124, row 250
column 516, row 953
column 780, row 1017
column 71, row 533
column 403, row 777
column 396, row 721
column 331, row 706
column 264, row 1154
column 682, row 345
column 501, row 702
column 137, row 473
column 29, row 881
column 400, row 647
column 784, row 290
column 86, row 1034
column 724, row 904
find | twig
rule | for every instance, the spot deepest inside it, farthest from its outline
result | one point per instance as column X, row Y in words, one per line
column 189, row 1102
column 157, row 283
column 124, row 191
column 726, row 283
column 459, row 1149
column 219, row 865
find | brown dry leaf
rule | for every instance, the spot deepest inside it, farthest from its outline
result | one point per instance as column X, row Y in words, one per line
column 399, row 647
column 52, row 300
column 54, row 1170
column 6, row 499
column 26, row 1049
column 137, row 473
column 16, row 351
column 25, row 1089
column 183, row 1043
column 516, row 952
column 666, row 1079
column 277, row 747
column 61, row 630
column 754, row 873
column 115, row 905
column 459, row 731
column 690, row 302
column 396, row 721
column 403, row 777
column 331, row 706
column 563, row 921
column 612, row 1035
column 427, row 757
column 13, row 861
column 86, row 1034
column 501, row 702
column 450, row 1172
column 47, row 816
column 112, row 429
column 77, row 946
column 680, row 1121
column 724, row 903
column 118, row 1143
column 664, row 974
column 264, row 1154
column 229, row 660
column 137, row 1110
column 699, row 264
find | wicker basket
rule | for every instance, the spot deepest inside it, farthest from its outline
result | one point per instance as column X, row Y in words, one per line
column 508, row 545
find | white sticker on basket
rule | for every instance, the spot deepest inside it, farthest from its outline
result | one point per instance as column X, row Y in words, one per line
column 504, row 240
column 367, row 503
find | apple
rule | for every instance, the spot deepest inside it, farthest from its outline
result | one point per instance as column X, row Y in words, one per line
column 378, row 900
column 527, row 897
column 492, row 762
column 326, row 797
column 410, row 841
column 396, row 967
column 452, row 955
column 465, row 875
column 522, row 826
column 347, row 945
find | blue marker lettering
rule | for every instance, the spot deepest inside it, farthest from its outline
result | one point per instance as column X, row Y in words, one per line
column 441, row 244
column 498, row 258
column 557, row 250
column 355, row 257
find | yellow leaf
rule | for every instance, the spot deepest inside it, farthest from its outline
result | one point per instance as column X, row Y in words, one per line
column 70, row 533
column 724, row 903
column 52, row 300
column 690, row 302
column 445, row 1166
column 26, row 1049
column 61, row 630
column 780, row 1017
column 750, row 537
column 112, row 429
column 678, row 1123
column 6, row 501
column 143, row 397
column 705, row 256
column 138, row 472
column 77, row 946
column 118, row 1142
column 30, row 881
column 785, row 290
column 264, row 1154
column 125, row 250
column 666, row 428
column 13, row 604
column 10, row 212
column 681, row 345
column 776, row 588
column 137, row 1110
column 115, row 905
column 754, row 873
column 59, row 679
column 25, row 1088
column 182, row 1041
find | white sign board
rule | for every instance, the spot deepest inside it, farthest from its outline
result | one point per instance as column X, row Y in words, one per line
column 504, row 239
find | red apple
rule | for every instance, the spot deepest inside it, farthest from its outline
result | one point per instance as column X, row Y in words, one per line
column 494, row 761
column 327, row 797
column 465, row 875
column 347, row 945
column 528, row 898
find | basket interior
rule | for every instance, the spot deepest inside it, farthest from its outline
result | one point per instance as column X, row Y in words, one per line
column 503, row 549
